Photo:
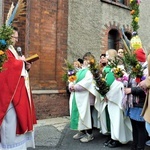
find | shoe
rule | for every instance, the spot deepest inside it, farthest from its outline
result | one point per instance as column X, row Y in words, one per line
column 87, row 138
column 148, row 143
column 140, row 148
column 106, row 143
column 113, row 144
column 79, row 135
column 133, row 146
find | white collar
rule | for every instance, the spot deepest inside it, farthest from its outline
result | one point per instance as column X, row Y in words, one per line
column 12, row 49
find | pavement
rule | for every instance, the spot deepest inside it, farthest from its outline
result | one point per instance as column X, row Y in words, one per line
column 55, row 134
column 48, row 132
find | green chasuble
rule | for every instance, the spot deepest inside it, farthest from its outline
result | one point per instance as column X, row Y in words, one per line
column 74, row 112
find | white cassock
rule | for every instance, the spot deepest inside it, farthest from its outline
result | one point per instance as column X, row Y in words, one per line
column 8, row 138
column 83, row 103
column 121, row 129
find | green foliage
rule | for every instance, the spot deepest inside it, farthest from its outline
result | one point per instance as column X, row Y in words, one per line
column 134, row 5
column 5, row 40
column 101, row 85
column 5, row 37
column 114, row 64
column 68, row 67
column 134, row 68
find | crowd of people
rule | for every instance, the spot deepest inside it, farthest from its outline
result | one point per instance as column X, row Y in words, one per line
column 123, row 112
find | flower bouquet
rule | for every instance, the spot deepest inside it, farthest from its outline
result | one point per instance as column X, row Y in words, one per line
column 70, row 72
column 118, row 72
column 71, row 76
column 117, row 69
column 135, row 69
column 5, row 41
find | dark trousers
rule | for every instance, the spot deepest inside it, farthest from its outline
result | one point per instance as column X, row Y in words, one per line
column 139, row 133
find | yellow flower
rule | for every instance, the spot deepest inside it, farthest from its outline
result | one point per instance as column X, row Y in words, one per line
column 131, row 1
column 72, row 78
column 132, row 12
column 116, row 71
column 1, row 52
column 137, row 66
column 103, row 79
column 136, row 19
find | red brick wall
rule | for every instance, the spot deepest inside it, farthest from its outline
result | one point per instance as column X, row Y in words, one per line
column 44, row 31
column 51, row 105
column 47, row 37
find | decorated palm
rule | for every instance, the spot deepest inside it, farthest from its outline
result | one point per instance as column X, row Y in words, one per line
column 6, row 30
column 134, row 5
column 101, row 85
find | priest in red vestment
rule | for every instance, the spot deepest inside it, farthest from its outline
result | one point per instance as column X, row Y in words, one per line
column 17, row 113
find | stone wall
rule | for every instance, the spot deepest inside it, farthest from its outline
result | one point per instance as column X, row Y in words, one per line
column 90, row 21
column 1, row 12
column 144, row 23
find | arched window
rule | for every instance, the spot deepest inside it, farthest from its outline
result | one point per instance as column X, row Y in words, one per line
column 113, row 39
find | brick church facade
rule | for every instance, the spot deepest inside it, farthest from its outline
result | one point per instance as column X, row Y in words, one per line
column 66, row 29
column 43, row 31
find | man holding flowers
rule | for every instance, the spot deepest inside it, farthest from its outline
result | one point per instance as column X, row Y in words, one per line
column 84, row 101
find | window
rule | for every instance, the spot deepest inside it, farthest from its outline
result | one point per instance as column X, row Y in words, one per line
column 120, row 3
column 128, row 35
column 113, row 39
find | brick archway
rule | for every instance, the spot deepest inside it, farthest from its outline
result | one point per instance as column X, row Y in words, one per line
column 112, row 26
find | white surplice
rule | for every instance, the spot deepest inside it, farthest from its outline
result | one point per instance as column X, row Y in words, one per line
column 121, row 129
column 8, row 138
column 83, row 103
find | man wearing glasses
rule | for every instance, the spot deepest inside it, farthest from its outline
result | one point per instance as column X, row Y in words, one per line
column 17, row 114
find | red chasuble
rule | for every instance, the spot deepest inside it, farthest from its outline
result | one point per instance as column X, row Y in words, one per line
column 12, row 89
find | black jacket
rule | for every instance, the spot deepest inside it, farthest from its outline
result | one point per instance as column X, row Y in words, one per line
column 137, row 92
